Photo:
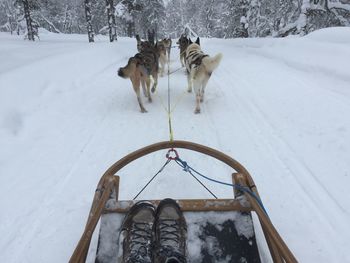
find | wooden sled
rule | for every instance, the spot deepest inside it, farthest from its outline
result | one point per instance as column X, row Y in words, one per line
column 214, row 224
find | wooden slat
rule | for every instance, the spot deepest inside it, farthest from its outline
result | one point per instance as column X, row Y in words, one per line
column 188, row 205
column 101, row 197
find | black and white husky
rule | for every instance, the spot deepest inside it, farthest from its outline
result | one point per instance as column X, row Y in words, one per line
column 199, row 69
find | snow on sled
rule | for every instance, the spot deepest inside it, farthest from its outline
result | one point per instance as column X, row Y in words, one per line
column 221, row 229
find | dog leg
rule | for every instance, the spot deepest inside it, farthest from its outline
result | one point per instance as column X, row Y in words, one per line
column 162, row 62
column 189, row 81
column 148, row 84
column 162, row 69
column 197, row 91
column 182, row 58
column 136, row 85
column 143, row 83
column 204, row 84
column 155, row 79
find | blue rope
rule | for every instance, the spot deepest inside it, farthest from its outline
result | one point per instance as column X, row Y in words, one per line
column 189, row 169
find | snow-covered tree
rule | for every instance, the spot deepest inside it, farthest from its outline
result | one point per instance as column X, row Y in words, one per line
column 88, row 20
column 174, row 19
column 111, row 20
column 150, row 15
column 210, row 18
column 125, row 12
column 230, row 19
column 30, row 27
column 11, row 17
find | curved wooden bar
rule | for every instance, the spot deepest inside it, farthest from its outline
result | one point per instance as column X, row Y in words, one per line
column 175, row 144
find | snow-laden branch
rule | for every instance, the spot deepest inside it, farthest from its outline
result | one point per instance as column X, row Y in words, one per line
column 6, row 26
column 189, row 29
column 287, row 28
column 50, row 23
column 339, row 6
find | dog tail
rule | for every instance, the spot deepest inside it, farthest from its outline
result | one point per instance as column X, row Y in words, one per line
column 128, row 70
column 212, row 63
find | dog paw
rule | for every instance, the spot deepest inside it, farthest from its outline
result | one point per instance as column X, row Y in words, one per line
column 149, row 99
column 143, row 110
column 189, row 90
column 196, row 111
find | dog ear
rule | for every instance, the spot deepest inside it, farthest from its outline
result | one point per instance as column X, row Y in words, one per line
column 190, row 41
column 197, row 41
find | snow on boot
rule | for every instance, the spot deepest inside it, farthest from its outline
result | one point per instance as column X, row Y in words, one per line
column 170, row 233
column 137, row 233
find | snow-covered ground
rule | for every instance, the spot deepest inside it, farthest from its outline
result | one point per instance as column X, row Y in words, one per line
column 279, row 106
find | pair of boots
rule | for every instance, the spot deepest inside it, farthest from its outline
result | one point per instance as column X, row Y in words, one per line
column 154, row 235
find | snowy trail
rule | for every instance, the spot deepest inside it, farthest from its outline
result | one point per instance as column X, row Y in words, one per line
column 269, row 105
column 283, row 147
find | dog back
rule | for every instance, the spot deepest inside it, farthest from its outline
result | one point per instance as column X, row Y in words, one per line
column 194, row 56
column 148, row 58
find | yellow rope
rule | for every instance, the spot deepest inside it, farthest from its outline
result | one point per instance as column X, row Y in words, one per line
column 171, row 132
column 168, row 109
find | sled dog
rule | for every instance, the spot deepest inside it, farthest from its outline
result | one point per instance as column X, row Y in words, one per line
column 139, row 70
column 162, row 55
column 199, row 67
column 161, row 48
column 141, row 45
column 167, row 44
column 183, row 43
column 147, row 43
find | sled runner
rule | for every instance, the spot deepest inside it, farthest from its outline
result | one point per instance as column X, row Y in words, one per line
column 222, row 229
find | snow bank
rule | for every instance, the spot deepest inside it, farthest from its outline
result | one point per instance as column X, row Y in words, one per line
column 331, row 35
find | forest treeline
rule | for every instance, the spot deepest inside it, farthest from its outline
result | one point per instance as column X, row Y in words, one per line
column 207, row 18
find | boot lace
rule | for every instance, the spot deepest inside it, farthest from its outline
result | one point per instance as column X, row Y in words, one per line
column 169, row 230
column 140, row 243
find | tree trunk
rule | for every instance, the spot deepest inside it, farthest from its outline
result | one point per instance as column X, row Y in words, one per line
column 88, row 20
column 28, row 20
column 65, row 22
column 111, row 20
column 130, row 29
column 9, row 19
